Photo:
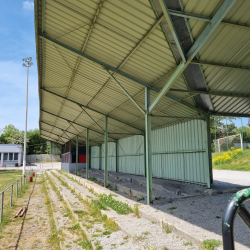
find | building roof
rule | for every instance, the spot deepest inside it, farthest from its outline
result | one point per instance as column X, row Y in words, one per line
column 11, row 148
column 95, row 59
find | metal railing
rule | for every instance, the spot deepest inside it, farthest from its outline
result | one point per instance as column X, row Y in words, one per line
column 22, row 181
column 234, row 207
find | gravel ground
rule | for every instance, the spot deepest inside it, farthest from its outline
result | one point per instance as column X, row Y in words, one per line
column 113, row 241
column 199, row 215
column 142, row 231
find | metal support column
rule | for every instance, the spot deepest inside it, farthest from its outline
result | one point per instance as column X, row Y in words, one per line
column 242, row 137
column 215, row 144
column 227, row 136
column 77, row 157
column 100, row 157
column 106, row 153
column 87, row 153
column 209, row 154
column 148, row 148
column 116, row 156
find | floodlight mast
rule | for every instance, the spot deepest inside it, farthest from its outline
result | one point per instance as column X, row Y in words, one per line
column 29, row 64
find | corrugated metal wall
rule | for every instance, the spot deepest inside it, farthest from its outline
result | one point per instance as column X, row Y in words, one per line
column 55, row 149
column 179, row 152
column 131, row 155
column 95, row 157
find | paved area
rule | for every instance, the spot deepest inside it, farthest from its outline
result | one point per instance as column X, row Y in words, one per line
column 37, row 166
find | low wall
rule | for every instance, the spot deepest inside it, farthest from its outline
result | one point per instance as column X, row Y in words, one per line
column 71, row 167
column 42, row 158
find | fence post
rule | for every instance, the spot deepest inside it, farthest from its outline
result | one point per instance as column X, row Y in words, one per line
column 11, row 195
column 2, row 206
column 16, row 188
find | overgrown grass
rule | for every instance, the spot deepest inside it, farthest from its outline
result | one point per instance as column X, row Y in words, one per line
column 8, row 177
column 210, row 244
column 118, row 206
column 109, row 223
column 240, row 163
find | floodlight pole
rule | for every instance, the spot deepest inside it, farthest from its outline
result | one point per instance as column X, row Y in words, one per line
column 29, row 63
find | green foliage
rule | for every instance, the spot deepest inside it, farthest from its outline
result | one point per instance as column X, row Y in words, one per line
column 210, row 244
column 118, row 206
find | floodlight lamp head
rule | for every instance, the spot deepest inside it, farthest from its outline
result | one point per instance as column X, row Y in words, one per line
column 24, row 65
column 29, row 58
column 25, row 59
column 30, row 63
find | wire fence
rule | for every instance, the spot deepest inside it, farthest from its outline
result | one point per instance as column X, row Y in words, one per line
column 10, row 194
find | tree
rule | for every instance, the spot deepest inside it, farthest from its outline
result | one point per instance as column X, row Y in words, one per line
column 7, row 132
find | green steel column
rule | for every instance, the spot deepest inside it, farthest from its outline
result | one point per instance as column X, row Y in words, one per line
column 87, row 154
column 148, row 148
column 145, row 168
column 100, row 157
column 106, row 153
column 50, row 148
column 116, row 157
column 227, row 136
column 215, row 144
column 242, row 138
column 209, row 154
column 77, row 154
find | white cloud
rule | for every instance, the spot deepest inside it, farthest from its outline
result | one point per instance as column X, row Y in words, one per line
column 28, row 5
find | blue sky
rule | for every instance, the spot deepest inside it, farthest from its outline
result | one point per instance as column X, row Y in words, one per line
column 17, row 40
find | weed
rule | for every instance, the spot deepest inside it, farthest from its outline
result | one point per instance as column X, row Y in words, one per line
column 210, row 244
column 187, row 244
column 118, row 206
column 136, row 211
column 140, row 199
column 95, row 235
column 153, row 222
column 75, row 227
column 159, row 198
column 66, row 215
column 106, row 233
column 92, row 178
column 172, row 208
column 167, row 228
column 85, row 244
column 80, row 213
column 110, row 224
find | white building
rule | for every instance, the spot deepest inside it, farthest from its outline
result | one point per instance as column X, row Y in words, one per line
column 10, row 154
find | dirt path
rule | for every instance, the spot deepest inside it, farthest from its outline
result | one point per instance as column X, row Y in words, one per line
column 33, row 230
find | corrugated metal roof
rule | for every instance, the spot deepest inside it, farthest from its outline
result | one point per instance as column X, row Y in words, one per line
column 127, row 36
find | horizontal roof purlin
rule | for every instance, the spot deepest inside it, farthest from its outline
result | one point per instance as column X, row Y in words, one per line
column 76, row 39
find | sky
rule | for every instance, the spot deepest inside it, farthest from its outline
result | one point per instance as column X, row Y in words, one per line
column 17, row 41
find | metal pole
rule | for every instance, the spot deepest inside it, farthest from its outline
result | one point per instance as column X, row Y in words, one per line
column 227, row 136
column 100, row 156
column 209, row 154
column 17, row 189
column 76, row 154
column 116, row 156
column 148, row 148
column 25, row 132
column 215, row 144
column 11, row 194
column 2, row 206
column 106, row 153
column 242, row 137
column 21, row 184
column 87, row 153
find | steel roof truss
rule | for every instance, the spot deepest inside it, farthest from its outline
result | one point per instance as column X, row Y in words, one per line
column 125, row 91
column 206, row 33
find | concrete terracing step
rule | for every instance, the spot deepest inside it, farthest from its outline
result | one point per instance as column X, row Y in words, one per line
column 147, row 219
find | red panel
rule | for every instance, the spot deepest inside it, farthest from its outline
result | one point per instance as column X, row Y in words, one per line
column 82, row 158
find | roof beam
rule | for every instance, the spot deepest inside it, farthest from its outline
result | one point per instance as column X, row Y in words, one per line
column 178, row 117
column 75, row 123
column 97, row 111
column 51, row 139
column 204, row 18
column 230, row 114
column 172, row 29
column 59, row 136
column 54, row 41
column 198, row 92
column 68, row 131
column 92, row 118
column 207, row 32
column 125, row 91
column 224, row 65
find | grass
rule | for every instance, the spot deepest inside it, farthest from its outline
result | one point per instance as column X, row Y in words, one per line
column 210, row 244
column 118, row 206
column 136, row 211
column 8, row 177
column 240, row 163
column 109, row 223
column 167, row 228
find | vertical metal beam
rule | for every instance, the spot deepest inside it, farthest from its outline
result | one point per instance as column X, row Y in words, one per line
column 148, row 148
column 227, row 136
column 87, row 153
column 116, row 156
column 100, row 157
column 215, row 144
column 77, row 157
column 242, row 137
column 209, row 153
column 106, row 153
